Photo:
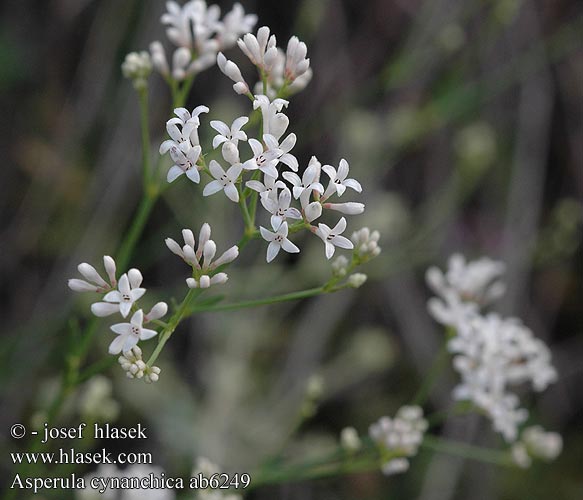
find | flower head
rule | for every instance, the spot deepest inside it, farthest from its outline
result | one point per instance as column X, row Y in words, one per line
column 225, row 181
column 332, row 237
column 127, row 293
column 129, row 334
column 278, row 240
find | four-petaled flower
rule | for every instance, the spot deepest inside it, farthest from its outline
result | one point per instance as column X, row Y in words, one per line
column 338, row 180
column 264, row 160
column 185, row 157
column 268, row 187
column 127, row 293
column 332, row 238
column 233, row 134
column 223, row 180
column 285, row 147
column 308, row 182
column 278, row 240
column 130, row 333
column 279, row 208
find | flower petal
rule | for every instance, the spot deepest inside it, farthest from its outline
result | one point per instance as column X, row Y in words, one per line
column 272, row 251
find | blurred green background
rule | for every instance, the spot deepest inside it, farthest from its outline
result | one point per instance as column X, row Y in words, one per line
column 463, row 120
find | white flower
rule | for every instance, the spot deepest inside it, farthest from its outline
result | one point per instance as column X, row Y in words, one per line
column 476, row 281
column 185, row 157
column 492, row 354
column 178, row 20
column 188, row 131
column 127, row 293
column 137, row 66
column 233, row 134
column 308, row 182
column 132, row 363
column 349, row 439
column 285, row 147
column 235, row 23
column 94, row 283
column 261, row 49
column 332, row 237
column 159, row 60
column 296, row 63
column 338, row 179
column 280, row 208
column 278, row 240
column 264, row 160
column 130, row 333
column 268, row 189
column 231, row 70
column 275, row 123
column 402, row 435
column 223, row 180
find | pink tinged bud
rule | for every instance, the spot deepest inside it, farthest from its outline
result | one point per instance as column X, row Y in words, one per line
column 218, row 279
column 174, row 247
column 157, row 312
column 110, row 269
column 188, row 236
column 229, row 256
column 349, row 208
column 82, row 286
column 241, row 88
column 90, row 274
column 102, row 309
column 135, row 277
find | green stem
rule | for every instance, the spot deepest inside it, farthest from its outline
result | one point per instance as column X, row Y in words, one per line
column 468, row 451
column 245, row 304
column 167, row 332
column 133, row 234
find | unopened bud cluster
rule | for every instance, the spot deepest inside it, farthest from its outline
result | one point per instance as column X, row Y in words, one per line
column 399, row 437
column 366, row 243
column 137, row 67
column 536, row 443
column 132, row 363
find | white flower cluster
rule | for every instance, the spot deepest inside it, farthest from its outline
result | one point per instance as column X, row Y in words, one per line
column 263, row 159
column 279, row 72
column 201, row 260
column 132, row 363
column 491, row 353
column 198, row 34
column 121, row 296
column 137, row 67
column 536, row 443
column 399, row 437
